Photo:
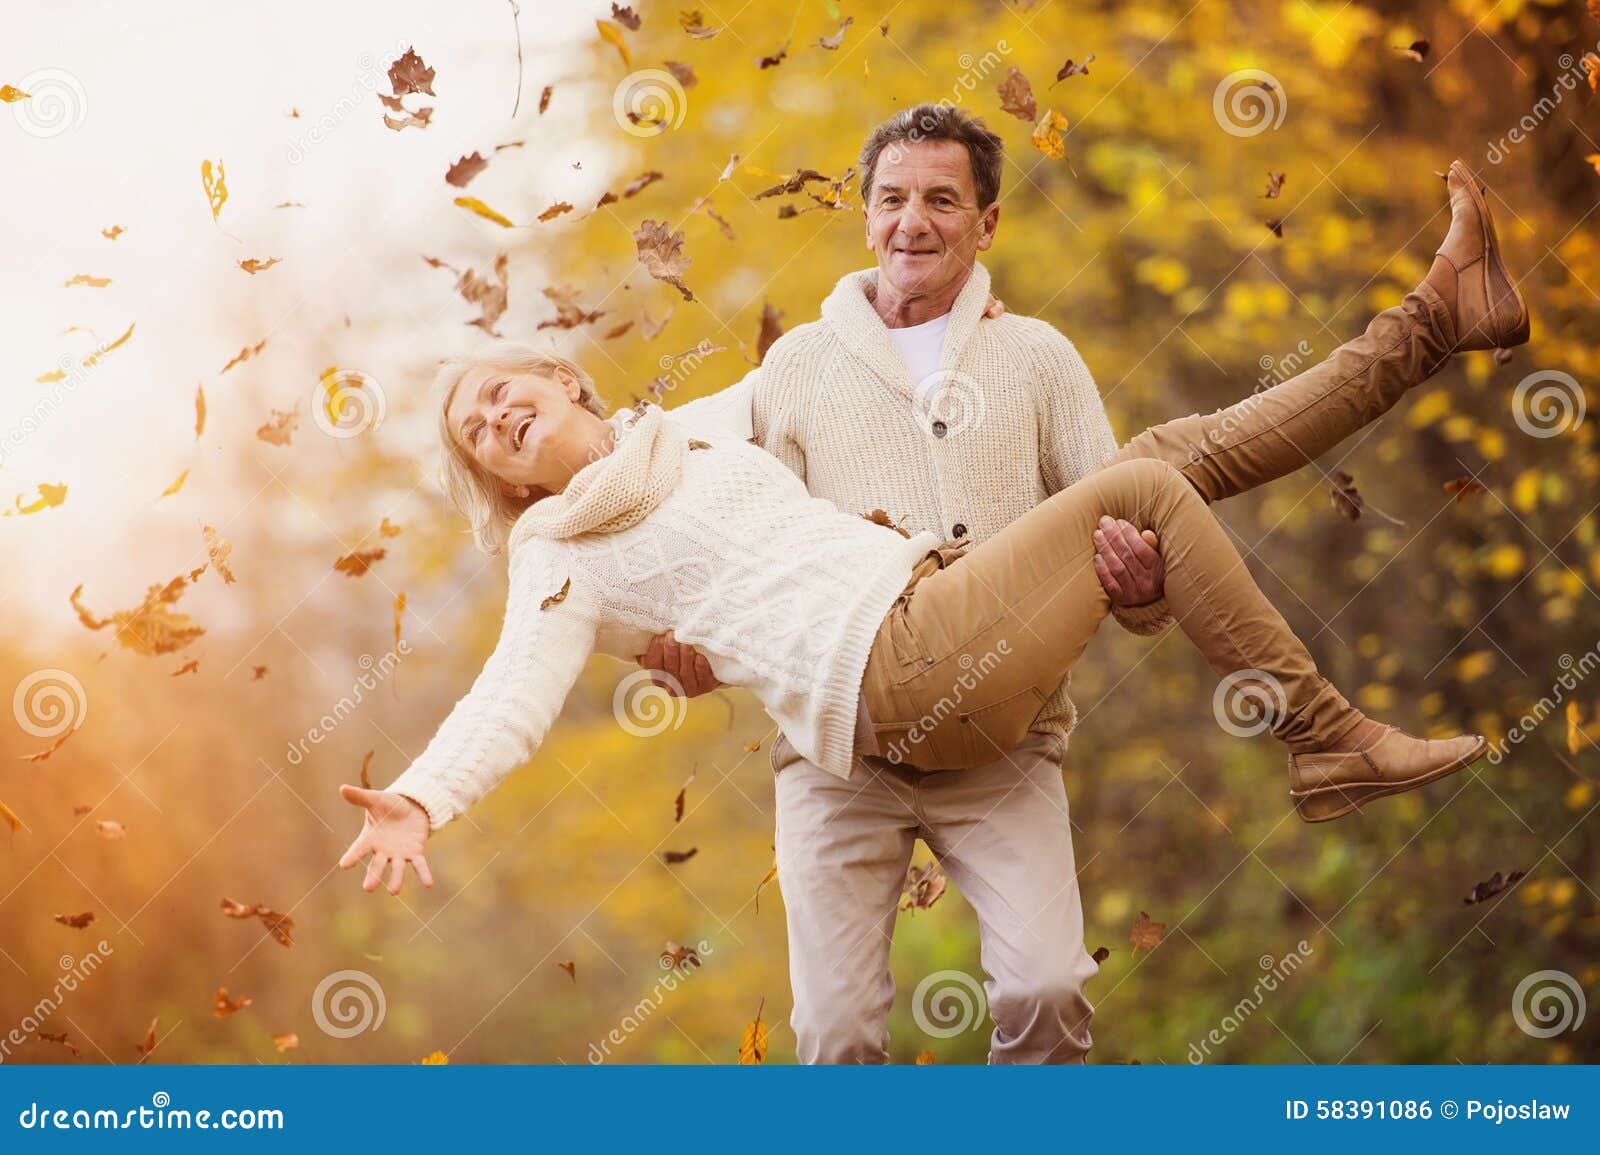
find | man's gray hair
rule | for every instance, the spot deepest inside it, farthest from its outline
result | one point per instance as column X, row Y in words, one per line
column 938, row 122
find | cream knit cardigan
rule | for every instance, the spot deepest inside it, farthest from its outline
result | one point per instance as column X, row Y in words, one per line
column 781, row 591
column 1016, row 417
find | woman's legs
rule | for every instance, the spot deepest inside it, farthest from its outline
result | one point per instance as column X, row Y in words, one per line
column 962, row 663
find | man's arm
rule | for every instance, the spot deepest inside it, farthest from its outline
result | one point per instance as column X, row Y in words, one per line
column 1075, row 438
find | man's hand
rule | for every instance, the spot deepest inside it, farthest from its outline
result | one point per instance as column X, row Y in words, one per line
column 1127, row 563
column 680, row 670
column 395, row 831
column 995, row 309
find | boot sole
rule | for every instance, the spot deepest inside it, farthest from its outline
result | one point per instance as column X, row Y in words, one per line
column 1500, row 282
column 1370, row 790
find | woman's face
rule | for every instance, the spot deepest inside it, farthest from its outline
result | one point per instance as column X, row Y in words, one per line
column 525, row 428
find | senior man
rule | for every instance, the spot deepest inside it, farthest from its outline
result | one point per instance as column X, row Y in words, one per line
column 908, row 397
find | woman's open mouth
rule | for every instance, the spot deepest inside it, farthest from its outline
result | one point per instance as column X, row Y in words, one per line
column 520, row 432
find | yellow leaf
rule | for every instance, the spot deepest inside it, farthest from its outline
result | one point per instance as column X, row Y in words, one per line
column 12, row 95
column 1580, row 735
column 484, row 211
column 399, row 611
column 50, row 496
column 9, row 817
column 437, row 1059
column 216, row 187
column 926, row 1059
column 86, row 279
column 199, row 411
column 94, row 358
column 612, row 34
column 753, row 1044
column 175, row 486
column 288, row 1042
column 1047, row 136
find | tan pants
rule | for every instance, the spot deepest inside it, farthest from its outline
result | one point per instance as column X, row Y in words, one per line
column 972, row 648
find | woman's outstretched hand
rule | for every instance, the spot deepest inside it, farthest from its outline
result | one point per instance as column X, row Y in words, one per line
column 395, row 831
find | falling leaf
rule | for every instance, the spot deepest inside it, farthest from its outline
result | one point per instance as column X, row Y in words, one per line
column 199, row 411
column 1492, row 886
column 175, row 486
column 571, row 968
column 1146, row 935
column 544, row 97
column 769, row 877
column 280, row 926
column 616, row 330
column 95, row 357
column 257, row 673
column 76, row 921
column 683, row 73
column 775, row 59
column 1417, row 50
column 695, row 25
column 45, row 753
column 110, row 831
column 473, row 204
column 223, row 1006
column 612, row 35
column 366, row 768
column 1347, row 500
column 1101, row 953
column 1274, row 184
column 923, row 886
column 753, row 1043
column 558, row 597
column 639, row 183
column 437, row 1059
column 217, row 549
column 86, row 279
column 683, row 793
column 476, row 289
column 149, row 1045
column 253, row 266
column 215, row 185
column 50, row 497
column 9, row 817
column 1047, row 136
column 357, row 564
column 461, row 173
column 749, row 747
column 832, row 43
column 280, row 429
column 661, row 252
column 192, row 666
column 926, row 1059
column 651, row 328
column 673, row 955
column 113, row 232
column 419, row 119
column 152, row 628
column 1465, row 487
column 245, row 354
column 1577, row 732
column 771, row 330
column 1591, row 65
column 555, row 211
column 399, row 612
column 60, row 1040
column 286, row 1042
column 674, row 857
column 11, row 95
column 626, row 17
column 1071, row 69
column 1016, row 96
column 879, row 517
column 789, row 184
column 409, row 74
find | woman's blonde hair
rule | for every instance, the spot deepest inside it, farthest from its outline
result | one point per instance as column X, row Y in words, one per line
column 471, row 488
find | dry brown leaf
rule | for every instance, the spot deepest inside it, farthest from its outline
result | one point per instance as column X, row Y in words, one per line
column 409, row 74
column 926, row 1059
column 1492, row 886
column 625, row 16
column 683, row 73
column 1274, row 184
column 558, row 597
column 674, row 857
column 923, row 886
column 834, row 42
column 76, row 921
column 286, row 1042
column 1071, row 69
column 437, row 1059
column 175, row 486
column 775, row 59
column 544, row 97
column 192, row 666
column 154, row 627
column 279, row 925
column 555, row 211
column 149, row 1045
column 1465, row 487
column 113, row 232
column 673, row 955
column 60, row 1040
column 461, row 173
column 1101, row 953
column 223, row 1006
column 399, row 612
column 10, row 95
column 769, row 877
column 217, row 549
column 50, row 496
column 695, row 25
column 569, row 313
column 280, row 429
column 199, row 411
column 1016, row 96
column 245, row 354
column 253, row 266
column 771, row 330
column 87, row 280
column 683, row 794
column 661, row 252
column 357, row 564
column 1146, row 935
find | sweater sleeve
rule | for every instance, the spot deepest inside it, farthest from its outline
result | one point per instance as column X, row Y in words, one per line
column 728, row 411
column 504, row 717
column 1075, row 439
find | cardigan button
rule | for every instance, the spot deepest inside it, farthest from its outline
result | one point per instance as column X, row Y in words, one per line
column 958, row 530
column 940, row 428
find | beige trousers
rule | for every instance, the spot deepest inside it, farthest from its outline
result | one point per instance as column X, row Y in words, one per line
column 1001, row 828
column 974, row 645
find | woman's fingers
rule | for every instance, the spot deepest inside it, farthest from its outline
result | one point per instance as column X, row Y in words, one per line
column 397, row 874
column 374, row 871
column 354, row 853
column 423, row 872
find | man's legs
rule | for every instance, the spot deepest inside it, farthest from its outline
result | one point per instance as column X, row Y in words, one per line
column 843, row 851
column 1002, row 834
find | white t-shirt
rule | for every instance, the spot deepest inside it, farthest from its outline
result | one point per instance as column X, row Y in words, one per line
column 920, row 347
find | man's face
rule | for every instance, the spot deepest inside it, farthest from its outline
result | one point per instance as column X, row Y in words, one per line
column 924, row 222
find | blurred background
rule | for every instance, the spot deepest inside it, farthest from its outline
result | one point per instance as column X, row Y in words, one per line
column 177, row 738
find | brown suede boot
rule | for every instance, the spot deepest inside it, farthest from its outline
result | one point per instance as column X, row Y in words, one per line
column 1489, row 310
column 1328, row 785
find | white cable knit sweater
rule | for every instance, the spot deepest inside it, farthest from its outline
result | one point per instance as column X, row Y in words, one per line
column 781, row 591
column 1020, row 419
